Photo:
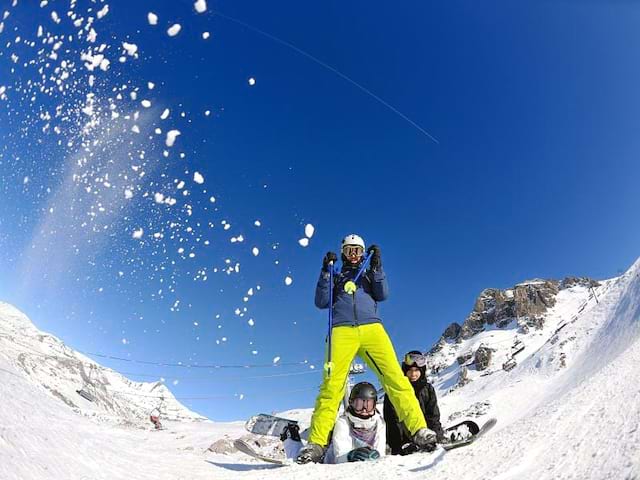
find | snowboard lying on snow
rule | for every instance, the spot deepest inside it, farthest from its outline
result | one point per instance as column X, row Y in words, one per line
column 265, row 424
column 458, row 435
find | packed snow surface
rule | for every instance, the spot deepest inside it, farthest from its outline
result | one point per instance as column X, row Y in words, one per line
column 579, row 421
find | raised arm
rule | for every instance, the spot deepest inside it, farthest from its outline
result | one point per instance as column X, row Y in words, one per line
column 323, row 286
column 377, row 277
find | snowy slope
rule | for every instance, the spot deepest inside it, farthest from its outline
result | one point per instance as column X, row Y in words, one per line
column 568, row 410
column 58, row 369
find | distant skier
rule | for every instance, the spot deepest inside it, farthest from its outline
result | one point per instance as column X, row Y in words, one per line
column 357, row 329
column 414, row 366
column 154, row 417
column 359, row 434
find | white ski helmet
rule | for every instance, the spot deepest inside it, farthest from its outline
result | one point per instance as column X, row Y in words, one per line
column 353, row 239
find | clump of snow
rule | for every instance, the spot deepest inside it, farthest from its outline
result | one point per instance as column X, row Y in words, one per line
column 304, row 242
column 174, row 29
column 200, row 6
column 309, row 230
column 138, row 233
column 205, row 35
column 102, row 13
column 130, row 48
column 165, row 114
column 255, row 251
column 288, row 280
column 276, row 359
column 171, row 137
column 252, row 81
column 146, row 103
column 198, row 178
column 152, row 18
column 257, row 223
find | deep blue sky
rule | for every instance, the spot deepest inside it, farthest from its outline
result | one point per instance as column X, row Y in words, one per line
column 535, row 107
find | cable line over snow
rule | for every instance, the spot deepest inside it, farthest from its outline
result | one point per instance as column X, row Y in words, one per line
column 195, row 365
column 180, row 364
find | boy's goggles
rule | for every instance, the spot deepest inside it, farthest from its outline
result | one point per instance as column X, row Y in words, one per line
column 416, row 359
column 352, row 250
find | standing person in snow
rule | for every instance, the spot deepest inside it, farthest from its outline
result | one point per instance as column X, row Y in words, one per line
column 414, row 366
column 359, row 434
column 357, row 329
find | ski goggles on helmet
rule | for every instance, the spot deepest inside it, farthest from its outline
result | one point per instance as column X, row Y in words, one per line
column 352, row 250
column 417, row 359
column 363, row 405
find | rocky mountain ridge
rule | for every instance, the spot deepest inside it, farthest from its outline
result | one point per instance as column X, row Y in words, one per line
column 504, row 323
column 82, row 384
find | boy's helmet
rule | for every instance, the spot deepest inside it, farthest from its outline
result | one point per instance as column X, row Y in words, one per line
column 353, row 239
column 352, row 248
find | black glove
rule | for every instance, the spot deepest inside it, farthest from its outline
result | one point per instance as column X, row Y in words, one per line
column 362, row 454
column 409, row 448
column 328, row 258
column 376, row 261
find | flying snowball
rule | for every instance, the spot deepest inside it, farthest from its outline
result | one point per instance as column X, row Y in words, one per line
column 174, row 29
column 309, row 230
column 171, row 137
column 252, row 81
column 304, row 242
column 200, row 6
column 288, row 281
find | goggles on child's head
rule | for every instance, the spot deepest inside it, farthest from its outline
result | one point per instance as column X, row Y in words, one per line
column 415, row 358
column 363, row 405
column 352, row 250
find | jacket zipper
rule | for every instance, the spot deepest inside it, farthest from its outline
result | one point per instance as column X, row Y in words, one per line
column 355, row 314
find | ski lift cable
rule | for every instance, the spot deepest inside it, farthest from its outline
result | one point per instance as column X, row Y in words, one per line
column 291, row 374
column 161, row 364
column 191, row 365
column 92, row 367
column 212, row 397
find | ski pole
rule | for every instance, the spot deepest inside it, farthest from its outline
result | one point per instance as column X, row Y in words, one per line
column 328, row 365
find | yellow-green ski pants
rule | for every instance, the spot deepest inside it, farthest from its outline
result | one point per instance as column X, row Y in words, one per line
column 373, row 345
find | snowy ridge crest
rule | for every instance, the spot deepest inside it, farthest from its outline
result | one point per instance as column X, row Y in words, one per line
column 61, row 371
column 539, row 323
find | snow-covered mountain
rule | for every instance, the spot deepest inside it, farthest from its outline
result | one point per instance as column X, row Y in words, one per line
column 555, row 362
column 106, row 395
column 539, row 323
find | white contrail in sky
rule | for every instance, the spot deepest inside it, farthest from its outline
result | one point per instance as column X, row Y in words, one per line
column 332, row 69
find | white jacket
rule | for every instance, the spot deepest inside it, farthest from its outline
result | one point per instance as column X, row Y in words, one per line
column 343, row 440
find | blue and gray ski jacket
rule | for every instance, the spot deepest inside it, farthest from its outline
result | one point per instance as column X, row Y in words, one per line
column 361, row 307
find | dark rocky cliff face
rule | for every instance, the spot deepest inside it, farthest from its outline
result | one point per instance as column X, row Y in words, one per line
column 526, row 304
